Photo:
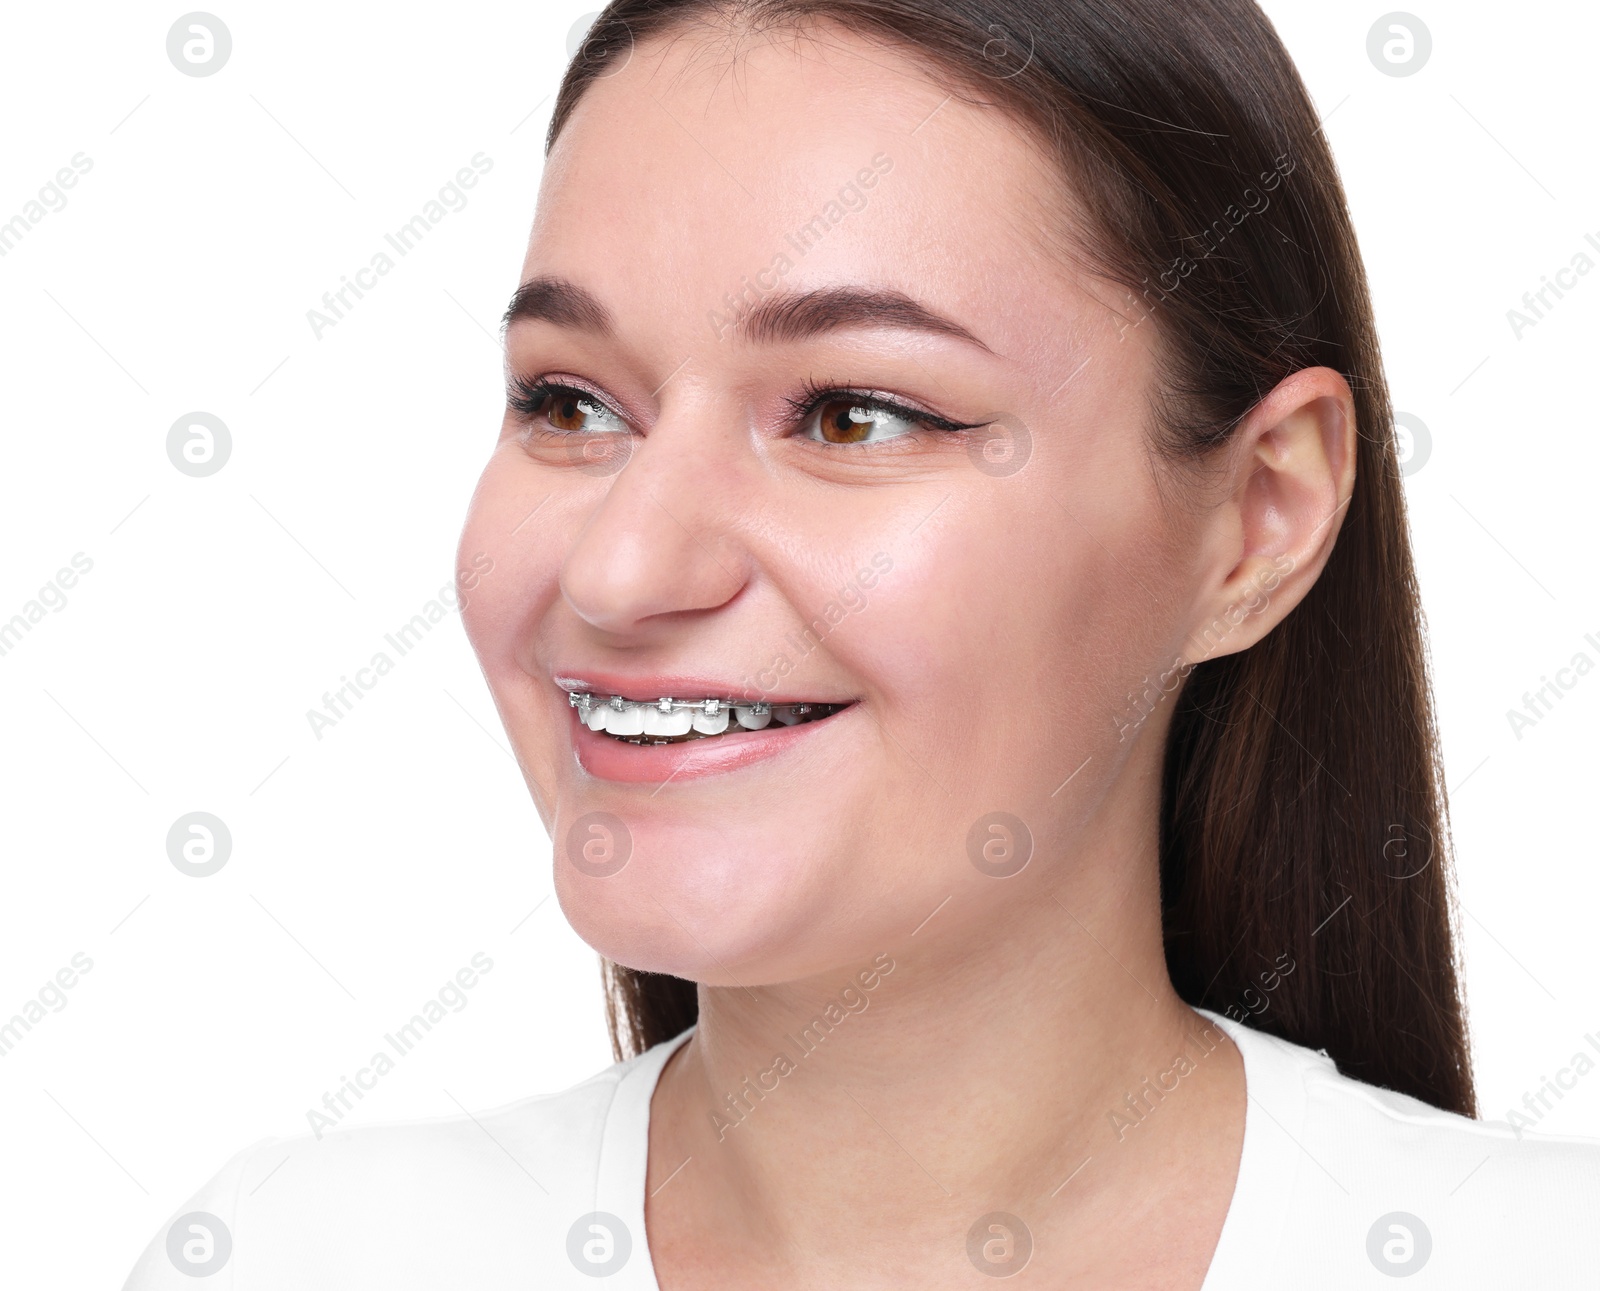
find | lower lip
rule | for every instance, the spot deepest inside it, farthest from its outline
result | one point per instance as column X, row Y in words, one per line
column 608, row 758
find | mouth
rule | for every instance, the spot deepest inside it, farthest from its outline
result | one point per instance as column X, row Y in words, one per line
column 667, row 720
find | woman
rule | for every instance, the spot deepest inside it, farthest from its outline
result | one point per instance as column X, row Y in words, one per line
column 953, row 608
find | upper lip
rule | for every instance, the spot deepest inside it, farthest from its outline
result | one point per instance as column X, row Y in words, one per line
column 646, row 687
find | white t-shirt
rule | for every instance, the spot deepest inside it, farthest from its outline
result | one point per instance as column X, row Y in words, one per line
column 1340, row 1185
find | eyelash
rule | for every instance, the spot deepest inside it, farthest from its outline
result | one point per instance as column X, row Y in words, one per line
column 813, row 396
column 528, row 397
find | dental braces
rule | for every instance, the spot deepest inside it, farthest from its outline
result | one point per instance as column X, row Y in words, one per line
column 584, row 702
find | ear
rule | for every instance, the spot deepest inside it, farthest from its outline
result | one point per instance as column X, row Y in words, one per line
column 1290, row 469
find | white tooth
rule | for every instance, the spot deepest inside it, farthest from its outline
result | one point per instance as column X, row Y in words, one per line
column 750, row 719
column 674, row 723
column 628, row 721
column 711, row 725
column 596, row 721
column 786, row 715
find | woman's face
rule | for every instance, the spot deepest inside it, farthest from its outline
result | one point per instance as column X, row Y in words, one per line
column 722, row 241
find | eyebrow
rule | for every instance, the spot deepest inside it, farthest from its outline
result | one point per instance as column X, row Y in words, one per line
column 558, row 301
column 784, row 317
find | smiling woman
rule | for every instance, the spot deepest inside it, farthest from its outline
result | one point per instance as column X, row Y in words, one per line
column 1112, row 783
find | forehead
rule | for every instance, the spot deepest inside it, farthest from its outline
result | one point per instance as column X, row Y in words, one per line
column 711, row 166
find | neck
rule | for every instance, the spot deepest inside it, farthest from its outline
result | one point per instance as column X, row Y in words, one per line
column 935, row 1082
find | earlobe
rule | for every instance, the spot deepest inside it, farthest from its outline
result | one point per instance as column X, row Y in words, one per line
column 1292, row 475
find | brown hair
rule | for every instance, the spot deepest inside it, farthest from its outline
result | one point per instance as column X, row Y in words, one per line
column 1303, row 811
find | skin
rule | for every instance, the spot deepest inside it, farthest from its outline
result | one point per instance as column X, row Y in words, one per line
column 991, row 665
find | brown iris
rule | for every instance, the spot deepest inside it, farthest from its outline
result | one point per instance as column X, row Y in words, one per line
column 838, row 427
column 566, row 412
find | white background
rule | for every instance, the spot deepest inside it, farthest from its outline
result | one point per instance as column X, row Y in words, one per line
column 370, row 865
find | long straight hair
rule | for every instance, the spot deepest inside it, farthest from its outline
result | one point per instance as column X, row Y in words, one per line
column 1303, row 814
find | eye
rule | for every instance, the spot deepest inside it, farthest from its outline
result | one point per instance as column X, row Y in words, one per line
column 566, row 409
column 837, row 414
column 859, row 421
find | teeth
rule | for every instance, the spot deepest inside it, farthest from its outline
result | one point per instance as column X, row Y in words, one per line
column 675, row 722
column 712, row 723
column 628, row 720
column 666, row 720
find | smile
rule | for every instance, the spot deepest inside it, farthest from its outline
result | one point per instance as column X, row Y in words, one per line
column 679, row 721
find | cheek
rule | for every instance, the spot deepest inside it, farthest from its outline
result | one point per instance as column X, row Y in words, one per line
column 504, row 610
column 1007, row 637
column 969, row 633
column 507, row 520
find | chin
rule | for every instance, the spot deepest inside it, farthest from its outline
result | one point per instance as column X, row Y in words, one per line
column 702, row 904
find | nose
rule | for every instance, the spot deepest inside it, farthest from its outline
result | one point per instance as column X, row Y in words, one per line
column 661, row 539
